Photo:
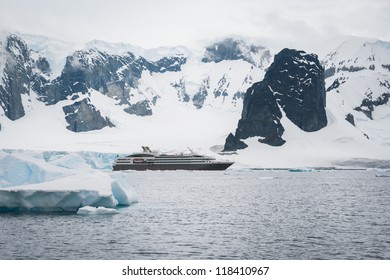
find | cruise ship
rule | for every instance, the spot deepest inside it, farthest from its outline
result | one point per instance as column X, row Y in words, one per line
column 148, row 160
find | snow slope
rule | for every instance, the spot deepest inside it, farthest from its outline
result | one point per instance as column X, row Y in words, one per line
column 360, row 84
column 174, row 127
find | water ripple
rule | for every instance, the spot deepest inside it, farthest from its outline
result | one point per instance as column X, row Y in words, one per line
column 220, row 215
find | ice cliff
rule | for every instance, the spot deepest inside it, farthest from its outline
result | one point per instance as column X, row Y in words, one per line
column 59, row 181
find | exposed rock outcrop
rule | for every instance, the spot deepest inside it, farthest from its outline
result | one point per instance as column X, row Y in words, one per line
column 83, row 116
column 16, row 77
column 294, row 84
column 234, row 49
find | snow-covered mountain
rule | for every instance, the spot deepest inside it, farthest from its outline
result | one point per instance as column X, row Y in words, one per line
column 358, row 83
column 169, row 93
column 233, row 49
column 117, row 97
column 357, row 111
column 131, row 80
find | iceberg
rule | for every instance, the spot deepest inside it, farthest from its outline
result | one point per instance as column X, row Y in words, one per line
column 67, row 194
column 18, row 170
column 89, row 210
column 58, row 182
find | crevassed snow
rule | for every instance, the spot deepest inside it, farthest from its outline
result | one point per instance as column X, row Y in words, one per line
column 58, row 181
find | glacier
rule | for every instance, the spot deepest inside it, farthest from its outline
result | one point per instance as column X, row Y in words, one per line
column 33, row 181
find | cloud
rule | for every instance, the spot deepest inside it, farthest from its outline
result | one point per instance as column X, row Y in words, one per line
column 151, row 23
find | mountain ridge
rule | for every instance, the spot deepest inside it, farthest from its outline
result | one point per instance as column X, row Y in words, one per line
column 184, row 102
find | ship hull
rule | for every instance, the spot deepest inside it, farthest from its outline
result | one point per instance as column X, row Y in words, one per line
column 173, row 166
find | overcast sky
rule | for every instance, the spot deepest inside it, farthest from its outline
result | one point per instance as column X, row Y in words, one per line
column 153, row 23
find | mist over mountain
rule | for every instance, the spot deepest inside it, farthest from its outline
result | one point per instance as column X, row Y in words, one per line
column 114, row 97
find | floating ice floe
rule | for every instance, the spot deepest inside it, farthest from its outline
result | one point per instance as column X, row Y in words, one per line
column 33, row 182
column 89, row 210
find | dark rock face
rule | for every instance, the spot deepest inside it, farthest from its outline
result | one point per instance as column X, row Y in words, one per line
column 368, row 104
column 350, row 118
column 336, row 83
column 72, row 80
column 386, row 66
column 298, row 82
column 232, row 143
column 15, row 80
column 199, row 98
column 182, row 94
column 20, row 74
column 220, row 91
column 293, row 83
column 260, row 116
column 352, row 68
column 329, row 72
column 113, row 75
column 165, row 64
column 222, row 87
column 43, row 65
column 141, row 108
column 233, row 49
column 83, row 116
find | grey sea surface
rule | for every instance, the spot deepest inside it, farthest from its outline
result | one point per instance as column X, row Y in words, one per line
column 233, row 214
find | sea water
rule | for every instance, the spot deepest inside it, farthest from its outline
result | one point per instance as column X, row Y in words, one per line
column 233, row 214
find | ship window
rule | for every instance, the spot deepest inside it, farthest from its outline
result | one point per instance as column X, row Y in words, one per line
column 141, row 155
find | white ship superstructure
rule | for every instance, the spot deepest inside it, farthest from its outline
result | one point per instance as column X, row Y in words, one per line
column 148, row 160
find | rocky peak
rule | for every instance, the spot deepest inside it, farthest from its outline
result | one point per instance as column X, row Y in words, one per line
column 235, row 49
column 298, row 84
column 111, row 74
column 15, row 76
column 294, row 84
column 17, row 48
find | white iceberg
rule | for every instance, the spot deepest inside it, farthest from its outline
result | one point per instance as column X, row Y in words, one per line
column 19, row 169
column 36, row 181
column 89, row 210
